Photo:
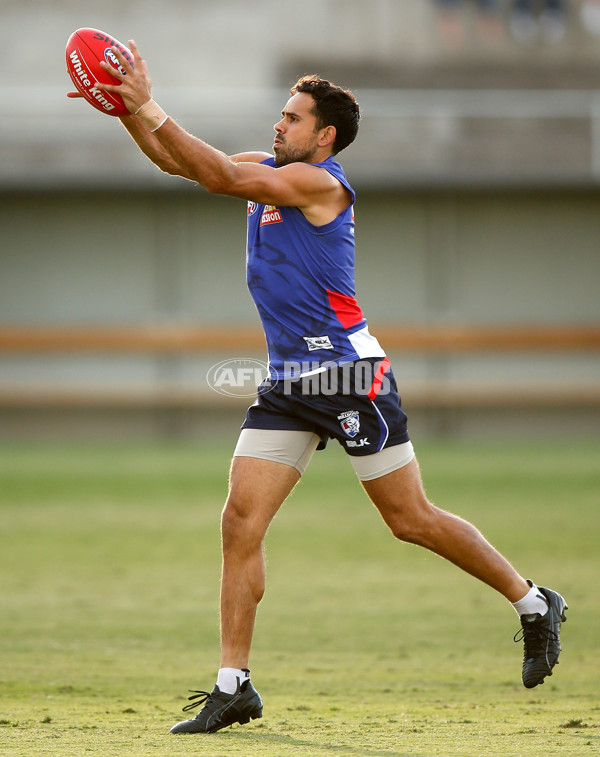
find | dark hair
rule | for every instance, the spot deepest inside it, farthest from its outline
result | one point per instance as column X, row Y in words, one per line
column 333, row 106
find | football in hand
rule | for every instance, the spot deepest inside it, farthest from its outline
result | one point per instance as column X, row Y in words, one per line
column 85, row 49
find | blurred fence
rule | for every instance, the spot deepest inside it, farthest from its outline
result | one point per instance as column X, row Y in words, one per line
column 171, row 395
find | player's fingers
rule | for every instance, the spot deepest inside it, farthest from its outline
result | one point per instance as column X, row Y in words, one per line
column 112, row 71
column 137, row 58
column 124, row 63
column 107, row 87
column 134, row 51
column 74, row 94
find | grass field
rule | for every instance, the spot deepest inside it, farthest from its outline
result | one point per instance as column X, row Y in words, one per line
column 110, row 564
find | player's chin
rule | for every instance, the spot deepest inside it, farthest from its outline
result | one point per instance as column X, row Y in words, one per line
column 282, row 157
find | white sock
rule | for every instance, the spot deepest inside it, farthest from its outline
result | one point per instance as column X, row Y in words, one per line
column 229, row 679
column 533, row 602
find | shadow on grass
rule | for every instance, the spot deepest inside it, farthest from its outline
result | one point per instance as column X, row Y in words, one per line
column 274, row 739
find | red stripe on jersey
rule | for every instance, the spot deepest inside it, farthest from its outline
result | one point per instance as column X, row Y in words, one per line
column 346, row 309
column 378, row 380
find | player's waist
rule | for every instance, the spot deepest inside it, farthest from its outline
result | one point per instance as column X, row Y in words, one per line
column 361, row 371
column 315, row 354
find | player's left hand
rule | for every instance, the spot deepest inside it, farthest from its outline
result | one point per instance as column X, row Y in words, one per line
column 136, row 84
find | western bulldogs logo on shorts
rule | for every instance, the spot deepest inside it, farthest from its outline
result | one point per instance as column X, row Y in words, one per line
column 350, row 422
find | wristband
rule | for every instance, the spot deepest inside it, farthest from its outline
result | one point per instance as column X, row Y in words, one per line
column 152, row 115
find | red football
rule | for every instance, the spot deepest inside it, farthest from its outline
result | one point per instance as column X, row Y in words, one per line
column 85, row 49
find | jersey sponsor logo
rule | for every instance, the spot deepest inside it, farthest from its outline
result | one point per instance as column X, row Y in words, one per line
column 252, row 207
column 318, row 343
column 271, row 214
column 350, row 422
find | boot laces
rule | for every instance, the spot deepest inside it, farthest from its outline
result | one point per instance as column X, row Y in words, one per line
column 535, row 636
column 197, row 698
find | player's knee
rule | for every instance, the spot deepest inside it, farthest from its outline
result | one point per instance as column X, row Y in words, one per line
column 412, row 525
column 233, row 522
column 238, row 527
column 404, row 531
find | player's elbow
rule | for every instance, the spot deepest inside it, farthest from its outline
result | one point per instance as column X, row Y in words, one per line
column 217, row 185
column 164, row 164
column 168, row 167
column 221, row 179
column 214, row 187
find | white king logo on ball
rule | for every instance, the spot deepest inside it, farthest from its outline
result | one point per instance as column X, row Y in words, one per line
column 350, row 422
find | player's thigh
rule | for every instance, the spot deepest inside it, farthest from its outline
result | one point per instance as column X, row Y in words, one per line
column 259, row 481
column 399, row 496
column 292, row 447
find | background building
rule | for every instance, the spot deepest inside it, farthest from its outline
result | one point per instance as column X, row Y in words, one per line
column 478, row 224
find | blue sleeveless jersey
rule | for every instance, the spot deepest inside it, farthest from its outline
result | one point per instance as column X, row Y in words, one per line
column 301, row 278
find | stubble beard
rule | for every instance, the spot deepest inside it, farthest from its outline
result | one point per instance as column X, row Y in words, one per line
column 293, row 155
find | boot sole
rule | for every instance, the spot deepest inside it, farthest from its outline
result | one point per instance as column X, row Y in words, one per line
column 241, row 720
column 255, row 716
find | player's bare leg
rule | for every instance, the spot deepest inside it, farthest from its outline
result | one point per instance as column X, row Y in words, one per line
column 257, row 490
column 400, row 498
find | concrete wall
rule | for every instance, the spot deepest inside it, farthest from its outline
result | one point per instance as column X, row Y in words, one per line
column 463, row 258
column 117, row 257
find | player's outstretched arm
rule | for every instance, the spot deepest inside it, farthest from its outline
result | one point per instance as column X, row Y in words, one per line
column 147, row 142
column 136, row 94
column 140, row 91
column 297, row 184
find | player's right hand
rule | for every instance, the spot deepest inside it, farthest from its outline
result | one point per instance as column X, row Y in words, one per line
column 74, row 94
column 135, row 84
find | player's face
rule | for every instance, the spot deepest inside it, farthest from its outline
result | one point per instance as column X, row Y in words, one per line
column 296, row 138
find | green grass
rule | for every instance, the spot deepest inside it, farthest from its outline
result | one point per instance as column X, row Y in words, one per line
column 109, row 559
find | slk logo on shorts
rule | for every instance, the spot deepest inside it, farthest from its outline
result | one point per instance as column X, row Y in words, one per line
column 350, row 422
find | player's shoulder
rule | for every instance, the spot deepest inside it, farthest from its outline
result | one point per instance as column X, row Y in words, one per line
column 250, row 157
column 314, row 172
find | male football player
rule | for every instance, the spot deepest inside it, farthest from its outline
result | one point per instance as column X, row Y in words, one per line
column 301, row 276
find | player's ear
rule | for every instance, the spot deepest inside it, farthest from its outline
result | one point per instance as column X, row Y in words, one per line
column 327, row 136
